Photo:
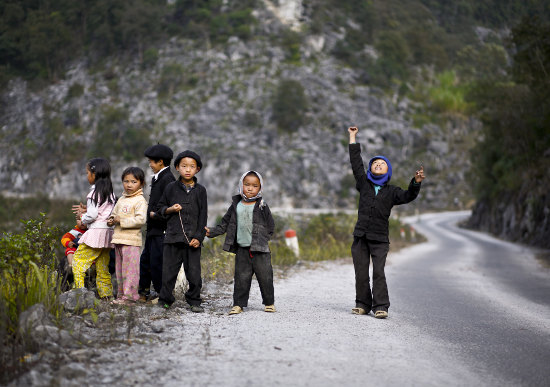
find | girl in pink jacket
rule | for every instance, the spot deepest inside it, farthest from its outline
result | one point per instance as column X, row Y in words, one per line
column 95, row 244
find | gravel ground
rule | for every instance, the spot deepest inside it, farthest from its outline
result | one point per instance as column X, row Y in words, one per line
column 312, row 340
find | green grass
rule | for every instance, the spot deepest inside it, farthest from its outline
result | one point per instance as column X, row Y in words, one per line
column 321, row 237
column 28, row 260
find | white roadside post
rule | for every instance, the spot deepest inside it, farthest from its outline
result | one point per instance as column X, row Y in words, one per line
column 292, row 241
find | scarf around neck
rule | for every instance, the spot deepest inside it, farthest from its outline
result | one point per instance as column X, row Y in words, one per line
column 379, row 179
column 243, row 196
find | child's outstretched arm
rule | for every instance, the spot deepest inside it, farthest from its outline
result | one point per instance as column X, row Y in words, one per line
column 406, row 196
column 212, row 232
column 355, row 159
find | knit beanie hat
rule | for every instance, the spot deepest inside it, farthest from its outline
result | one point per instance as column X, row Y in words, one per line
column 379, row 179
column 190, row 154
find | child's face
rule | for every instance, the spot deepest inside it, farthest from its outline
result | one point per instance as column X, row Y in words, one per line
column 187, row 168
column 379, row 167
column 130, row 184
column 251, row 186
column 156, row 166
column 90, row 176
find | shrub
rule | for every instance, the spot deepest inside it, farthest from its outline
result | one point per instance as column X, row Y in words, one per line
column 171, row 79
column 289, row 105
column 448, row 94
column 116, row 136
column 75, row 90
column 27, row 277
column 150, row 57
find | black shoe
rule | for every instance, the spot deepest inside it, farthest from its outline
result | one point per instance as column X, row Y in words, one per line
column 163, row 304
column 196, row 309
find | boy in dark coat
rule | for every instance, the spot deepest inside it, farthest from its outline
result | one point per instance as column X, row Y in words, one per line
column 184, row 205
column 370, row 236
column 249, row 225
column 150, row 266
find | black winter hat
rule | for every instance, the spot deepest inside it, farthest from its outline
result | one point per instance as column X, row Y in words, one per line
column 188, row 153
column 159, row 152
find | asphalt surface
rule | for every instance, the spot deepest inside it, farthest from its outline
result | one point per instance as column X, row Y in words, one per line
column 487, row 299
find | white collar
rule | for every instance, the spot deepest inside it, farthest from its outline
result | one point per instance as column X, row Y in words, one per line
column 156, row 175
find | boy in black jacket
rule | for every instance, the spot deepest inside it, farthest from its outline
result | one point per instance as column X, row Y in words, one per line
column 249, row 225
column 150, row 265
column 370, row 236
column 184, row 205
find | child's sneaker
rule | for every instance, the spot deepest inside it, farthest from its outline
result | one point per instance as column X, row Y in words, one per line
column 163, row 305
column 269, row 308
column 196, row 309
column 381, row 313
column 358, row 310
column 235, row 310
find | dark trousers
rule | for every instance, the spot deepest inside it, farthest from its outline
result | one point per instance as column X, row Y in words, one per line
column 245, row 267
column 362, row 250
column 150, row 264
column 174, row 255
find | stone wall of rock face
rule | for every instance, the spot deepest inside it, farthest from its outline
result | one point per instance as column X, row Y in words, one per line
column 522, row 217
column 219, row 102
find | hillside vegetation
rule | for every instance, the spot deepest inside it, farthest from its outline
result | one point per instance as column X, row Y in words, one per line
column 109, row 77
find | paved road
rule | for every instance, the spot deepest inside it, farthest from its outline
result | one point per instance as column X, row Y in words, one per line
column 488, row 300
column 467, row 310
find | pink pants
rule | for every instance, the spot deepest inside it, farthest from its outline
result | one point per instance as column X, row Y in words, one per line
column 127, row 271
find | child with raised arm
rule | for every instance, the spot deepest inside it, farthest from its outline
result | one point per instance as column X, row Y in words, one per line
column 150, row 267
column 249, row 225
column 370, row 236
column 128, row 217
column 184, row 205
column 95, row 244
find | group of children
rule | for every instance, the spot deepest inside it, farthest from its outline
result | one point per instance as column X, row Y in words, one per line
column 176, row 216
column 176, row 219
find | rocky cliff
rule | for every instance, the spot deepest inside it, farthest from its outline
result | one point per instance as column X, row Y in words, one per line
column 521, row 217
column 224, row 103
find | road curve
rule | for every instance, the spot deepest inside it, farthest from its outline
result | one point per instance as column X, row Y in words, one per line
column 489, row 300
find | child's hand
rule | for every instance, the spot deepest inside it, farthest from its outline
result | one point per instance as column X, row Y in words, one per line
column 352, row 133
column 113, row 220
column 194, row 243
column 175, row 208
column 152, row 214
column 79, row 224
column 207, row 231
column 71, row 244
column 78, row 210
column 419, row 175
